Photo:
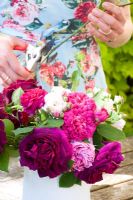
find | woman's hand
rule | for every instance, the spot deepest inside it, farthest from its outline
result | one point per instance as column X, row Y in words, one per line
column 10, row 68
column 112, row 26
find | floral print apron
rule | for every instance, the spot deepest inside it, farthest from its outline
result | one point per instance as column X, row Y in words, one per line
column 76, row 63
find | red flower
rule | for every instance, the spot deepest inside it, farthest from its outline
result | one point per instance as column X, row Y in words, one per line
column 24, row 84
column 32, row 100
column 83, row 10
column 23, row 118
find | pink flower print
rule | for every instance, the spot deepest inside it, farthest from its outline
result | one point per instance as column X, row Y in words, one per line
column 24, row 11
column 89, row 86
column 59, row 69
column 10, row 23
column 47, row 74
column 85, row 64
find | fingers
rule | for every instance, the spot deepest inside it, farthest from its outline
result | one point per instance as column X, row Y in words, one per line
column 100, row 24
column 19, row 44
column 100, row 35
column 7, row 76
column 2, row 83
column 115, row 10
column 93, row 30
column 108, row 19
column 16, row 67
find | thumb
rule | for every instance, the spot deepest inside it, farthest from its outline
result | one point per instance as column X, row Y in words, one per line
column 19, row 44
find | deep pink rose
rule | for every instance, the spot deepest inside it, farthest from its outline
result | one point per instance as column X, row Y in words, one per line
column 32, row 100
column 46, row 150
column 101, row 115
column 24, row 84
column 107, row 160
column 79, row 122
column 2, row 136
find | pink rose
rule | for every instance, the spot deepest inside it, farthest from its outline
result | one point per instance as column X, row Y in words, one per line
column 83, row 155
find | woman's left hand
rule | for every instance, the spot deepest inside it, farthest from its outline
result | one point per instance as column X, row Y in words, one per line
column 109, row 24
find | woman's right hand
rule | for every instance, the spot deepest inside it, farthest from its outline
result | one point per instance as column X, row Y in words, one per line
column 10, row 68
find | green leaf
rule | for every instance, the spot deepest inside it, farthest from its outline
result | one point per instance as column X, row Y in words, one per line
column 9, row 127
column 4, row 160
column 97, row 140
column 71, row 4
column 54, row 122
column 16, row 96
column 68, row 180
column 109, row 132
column 70, row 164
column 13, row 152
column 36, row 24
column 25, row 130
column 38, row 1
column 75, row 80
column 43, row 115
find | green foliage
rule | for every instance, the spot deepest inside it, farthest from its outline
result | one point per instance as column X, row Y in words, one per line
column 110, row 133
column 4, row 160
column 118, row 66
column 68, row 180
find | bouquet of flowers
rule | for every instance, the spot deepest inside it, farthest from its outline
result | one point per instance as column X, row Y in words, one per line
column 63, row 133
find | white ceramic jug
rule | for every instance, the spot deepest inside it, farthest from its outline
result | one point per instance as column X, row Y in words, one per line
column 36, row 188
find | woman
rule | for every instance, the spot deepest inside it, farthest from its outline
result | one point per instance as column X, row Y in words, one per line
column 24, row 21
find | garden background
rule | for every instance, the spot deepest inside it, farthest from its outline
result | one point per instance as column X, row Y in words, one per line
column 118, row 67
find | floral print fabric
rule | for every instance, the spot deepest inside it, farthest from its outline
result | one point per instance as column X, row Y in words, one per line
column 76, row 63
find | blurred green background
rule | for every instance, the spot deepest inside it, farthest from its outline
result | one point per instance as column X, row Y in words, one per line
column 118, row 67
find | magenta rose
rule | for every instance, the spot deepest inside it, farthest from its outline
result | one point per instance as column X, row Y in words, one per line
column 46, row 150
column 32, row 100
column 2, row 136
column 107, row 160
column 24, row 84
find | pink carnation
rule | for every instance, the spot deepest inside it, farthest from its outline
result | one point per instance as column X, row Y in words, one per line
column 79, row 122
column 32, row 100
column 83, row 155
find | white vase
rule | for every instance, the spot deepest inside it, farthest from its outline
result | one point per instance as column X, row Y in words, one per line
column 36, row 188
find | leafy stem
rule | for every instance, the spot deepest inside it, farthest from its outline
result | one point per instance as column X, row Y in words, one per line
column 65, row 40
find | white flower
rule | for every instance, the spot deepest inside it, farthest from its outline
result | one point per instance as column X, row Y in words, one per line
column 108, row 104
column 96, row 90
column 55, row 102
column 119, row 124
column 60, row 90
column 118, row 99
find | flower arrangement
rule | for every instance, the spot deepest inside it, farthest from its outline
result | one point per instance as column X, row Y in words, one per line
column 63, row 133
